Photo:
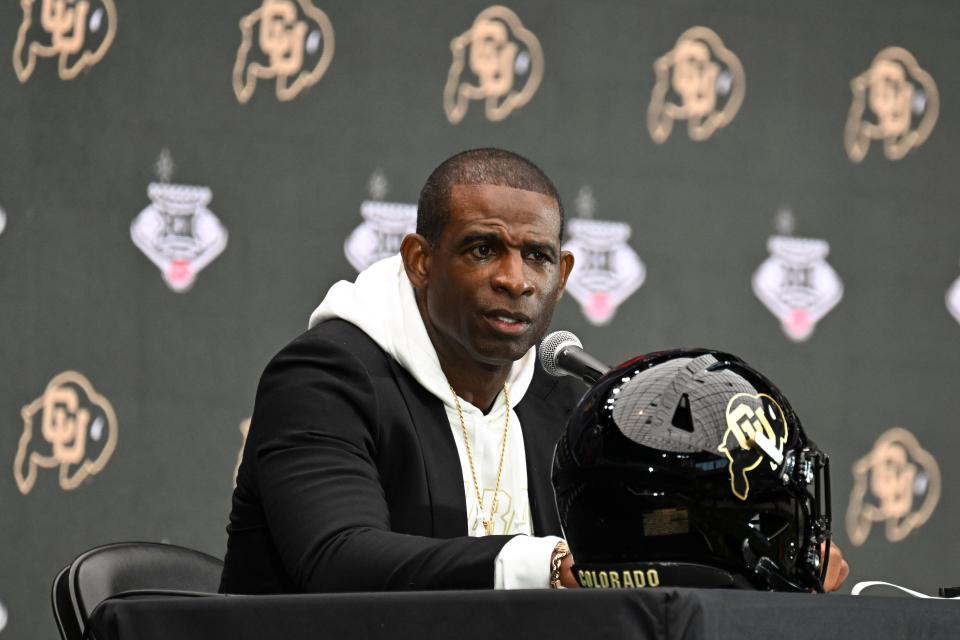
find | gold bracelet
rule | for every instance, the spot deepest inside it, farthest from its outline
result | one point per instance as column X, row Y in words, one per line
column 560, row 552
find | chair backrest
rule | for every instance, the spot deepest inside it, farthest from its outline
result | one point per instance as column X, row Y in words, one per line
column 63, row 611
column 121, row 567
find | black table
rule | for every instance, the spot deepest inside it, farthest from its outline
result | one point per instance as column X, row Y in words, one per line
column 486, row 615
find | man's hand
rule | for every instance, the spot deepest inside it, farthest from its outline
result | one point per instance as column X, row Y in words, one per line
column 837, row 568
column 566, row 573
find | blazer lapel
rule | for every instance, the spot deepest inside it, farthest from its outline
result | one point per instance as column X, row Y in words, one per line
column 440, row 459
column 540, row 435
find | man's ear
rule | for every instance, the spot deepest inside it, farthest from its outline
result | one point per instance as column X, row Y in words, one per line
column 566, row 266
column 415, row 252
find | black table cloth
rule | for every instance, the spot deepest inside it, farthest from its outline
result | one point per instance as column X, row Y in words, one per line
column 483, row 615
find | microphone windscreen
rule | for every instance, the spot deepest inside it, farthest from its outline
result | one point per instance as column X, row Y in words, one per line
column 553, row 344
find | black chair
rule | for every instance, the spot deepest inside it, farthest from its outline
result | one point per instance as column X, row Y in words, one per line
column 128, row 568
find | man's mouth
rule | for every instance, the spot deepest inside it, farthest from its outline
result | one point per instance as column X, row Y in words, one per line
column 507, row 322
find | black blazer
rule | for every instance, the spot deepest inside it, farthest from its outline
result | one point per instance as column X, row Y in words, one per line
column 350, row 479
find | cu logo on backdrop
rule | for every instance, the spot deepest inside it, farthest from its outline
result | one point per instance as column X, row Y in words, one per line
column 699, row 81
column 77, row 33
column 897, row 483
column 285, row 40
column 70, row 427
column 894, row 101
column 497, row 61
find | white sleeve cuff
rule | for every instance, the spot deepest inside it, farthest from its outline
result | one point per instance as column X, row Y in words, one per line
column 524, row 563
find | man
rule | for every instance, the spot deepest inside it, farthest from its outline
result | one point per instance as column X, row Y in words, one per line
column 405, row 440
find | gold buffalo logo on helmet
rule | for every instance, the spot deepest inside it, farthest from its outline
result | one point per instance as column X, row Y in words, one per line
column 76, row 32
column 897, row 483
column 498, row 61
column 70, row 426
column 291, row 41
column 756, row 432
column 700, row 81
column 895, row 101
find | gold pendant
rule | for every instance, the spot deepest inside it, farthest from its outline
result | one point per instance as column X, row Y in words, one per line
column 488, row 527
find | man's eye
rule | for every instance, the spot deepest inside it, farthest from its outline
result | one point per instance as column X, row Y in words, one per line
column 539, row 256
column 481, row 251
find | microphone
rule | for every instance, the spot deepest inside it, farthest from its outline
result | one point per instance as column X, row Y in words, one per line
column 562, row 354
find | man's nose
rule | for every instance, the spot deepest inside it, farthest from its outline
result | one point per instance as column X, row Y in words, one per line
column 511, row 275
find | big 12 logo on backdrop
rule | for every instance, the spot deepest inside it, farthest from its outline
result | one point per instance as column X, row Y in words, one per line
column 606, row 270
column 383, row 228
column 796, row 283
column 953, row 299
column 176, row 230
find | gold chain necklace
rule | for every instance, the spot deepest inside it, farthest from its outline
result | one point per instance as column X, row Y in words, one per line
column 487, row 524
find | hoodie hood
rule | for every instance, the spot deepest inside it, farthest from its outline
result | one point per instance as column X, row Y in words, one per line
column 381, row 303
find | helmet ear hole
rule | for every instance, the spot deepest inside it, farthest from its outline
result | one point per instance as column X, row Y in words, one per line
column 682, row 417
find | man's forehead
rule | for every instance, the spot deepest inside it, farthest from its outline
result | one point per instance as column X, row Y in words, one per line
column 499, row 198
column 480, row 204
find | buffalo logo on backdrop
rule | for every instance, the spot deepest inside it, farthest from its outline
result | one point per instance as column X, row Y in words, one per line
column 795, row 282
column 606, row 270
column 894, row 101
column 176, row 230
column 77, row 33
column 290, row 41
column 3, row 616
column 699, row 81
column 897, row 483
column 383, row 228
column 3, row 219
column 498, row 61
column 244, row 431
column 756, row 433
column 70, row 427
column 953, row 299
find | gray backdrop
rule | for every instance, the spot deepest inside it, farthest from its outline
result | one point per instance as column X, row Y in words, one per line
column 288, row 177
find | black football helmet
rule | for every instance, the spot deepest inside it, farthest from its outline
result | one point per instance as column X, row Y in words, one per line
column 690, row 468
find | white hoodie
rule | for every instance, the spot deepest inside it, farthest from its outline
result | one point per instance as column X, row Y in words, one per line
column 381, row 303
